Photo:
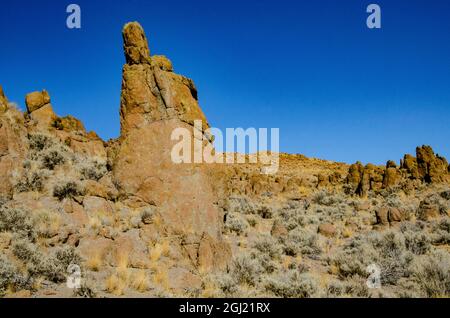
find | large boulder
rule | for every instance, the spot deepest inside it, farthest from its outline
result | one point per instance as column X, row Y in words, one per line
column 40, row 110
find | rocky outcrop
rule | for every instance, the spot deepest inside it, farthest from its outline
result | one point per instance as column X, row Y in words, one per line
column 431, row 168
column 150, row 90
column 427, row 167
column 154, row 102
column 363, row 179
column 40, row 110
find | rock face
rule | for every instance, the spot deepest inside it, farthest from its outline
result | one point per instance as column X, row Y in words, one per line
column 154, row 102
column 12, row 144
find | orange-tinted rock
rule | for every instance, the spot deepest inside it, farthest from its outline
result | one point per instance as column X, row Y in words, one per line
column 431, row 167
column 3, row 101
column 36, row 100
column 278, row 229
column 154, row 102
column 327, row 229
column 428, row 210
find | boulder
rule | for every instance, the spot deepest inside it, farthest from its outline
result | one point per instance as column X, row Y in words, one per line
column 278, row 230
column 36, row 100
column 327, row 229
column 40, row 110
column 428, row 210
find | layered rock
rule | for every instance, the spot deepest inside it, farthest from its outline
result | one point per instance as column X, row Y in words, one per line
column 154, row 102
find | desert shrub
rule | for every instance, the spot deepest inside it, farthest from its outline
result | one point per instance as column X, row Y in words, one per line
column 10, row 276
column 356, row 287
column 53, row 266
column 39, row 142
column 416, row 240
column 388, row 251
column 52, row 158
column 148, row 215
column 69, row 189
column 394, row 259
column 239, row 204
column 446, row 195
column 267, row 245
column 67, row 256
column 441, row 231
column 335, row 288
column 432, row 273
column 32, row 181
column 246, row 270
column 292, row 284
column 93, row 170
column 265, row 212
column 325, row 198
column 301, row 241
column 235, row 223
column 17, row 221
column 227, row 284
column 292, row 218
column 85, row 291
column 267, row 263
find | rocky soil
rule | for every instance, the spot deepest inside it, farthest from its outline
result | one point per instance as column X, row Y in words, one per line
column 139, row 225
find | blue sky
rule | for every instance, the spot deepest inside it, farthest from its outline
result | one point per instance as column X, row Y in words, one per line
column 336, row 89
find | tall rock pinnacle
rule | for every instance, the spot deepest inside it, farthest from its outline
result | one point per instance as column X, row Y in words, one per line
column 150, row 89
column 154, row 102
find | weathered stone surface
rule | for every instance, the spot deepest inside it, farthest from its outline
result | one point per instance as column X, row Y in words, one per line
column 391, row 177
column 428, row 210
column 409, row 163
column 278, row 229
column 431, row 167
column 135, row 44
column 213, row 254
column 154, row 102
column 162, row 62
column 327, row 229
column 388, row 215
column 382, row 216
column 13, row 147
column 36, row 100
column 150, row 90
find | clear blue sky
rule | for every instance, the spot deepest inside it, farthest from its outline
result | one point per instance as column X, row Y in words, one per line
column 336, row 89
